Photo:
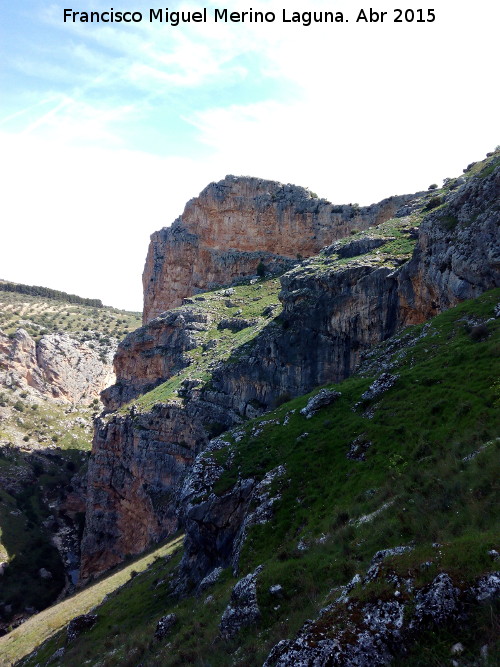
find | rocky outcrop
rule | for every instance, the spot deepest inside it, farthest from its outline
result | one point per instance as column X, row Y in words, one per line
column 351, row 632
column 334, row 310
column 235, row 224
column 458, row 253
column 243, row 609
column 135, row 474
column 154, row 353
column 58, row 366
column 331, row 316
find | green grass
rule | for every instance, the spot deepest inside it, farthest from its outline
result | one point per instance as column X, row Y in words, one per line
column 443, row 407
column 250, row 302
column 41, row 627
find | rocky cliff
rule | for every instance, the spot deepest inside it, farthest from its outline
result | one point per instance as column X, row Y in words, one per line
column 235, row 224
column 57, row 366
column 438, row 249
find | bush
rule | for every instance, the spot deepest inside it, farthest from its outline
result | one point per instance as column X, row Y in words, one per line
column 432, row 186
column 19, row 406
column 479, row 333
column 434, row 202
column 261, row 269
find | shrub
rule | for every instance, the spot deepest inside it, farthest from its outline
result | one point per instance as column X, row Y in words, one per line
column 433, row 202
column 432, row 186
column 261, row 269
column 479, row 333
column 19, row 406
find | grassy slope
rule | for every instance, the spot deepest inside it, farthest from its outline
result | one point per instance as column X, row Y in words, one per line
column 42, row 626
column 443, row 407
column 246, row 301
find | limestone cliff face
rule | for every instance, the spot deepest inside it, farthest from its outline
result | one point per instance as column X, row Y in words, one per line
column 154, row 353
column 57, row 366
column 233, row 225
column 330, row 316
column 139, row 461
column 458, row 253
column 334, row 308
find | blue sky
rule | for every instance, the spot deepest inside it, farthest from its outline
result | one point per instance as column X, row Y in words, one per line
column 107, row 130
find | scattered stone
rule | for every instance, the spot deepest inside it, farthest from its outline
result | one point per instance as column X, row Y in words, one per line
column 487, row 588
column 457, row 649
column 277, row 589
column 381, row 385
column 436, row 603
column 80, row 624
column 210, row 579
column 243, row 609
column 494, row 554
column 322, row 398
column 44, row 574
column 384, row 553
column 269, row 310
column 235, row 324
column 165, row 624
column 358, row 448
column 56, row 656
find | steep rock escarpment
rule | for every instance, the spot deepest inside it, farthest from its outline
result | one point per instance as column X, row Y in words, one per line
column 153, row 353
column 334, row 312
column 136, row 471
column 57, row 366
column 235, row 224
column 458, row 253
column 334, row 308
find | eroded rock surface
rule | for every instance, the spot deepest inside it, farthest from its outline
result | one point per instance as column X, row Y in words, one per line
column 58, row 366
column 333, row 312
column 235, row 224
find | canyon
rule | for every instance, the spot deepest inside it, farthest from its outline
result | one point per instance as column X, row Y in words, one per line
column 380, row 269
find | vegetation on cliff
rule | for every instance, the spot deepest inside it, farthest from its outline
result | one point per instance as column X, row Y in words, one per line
column 424, row 475
column 367, row 505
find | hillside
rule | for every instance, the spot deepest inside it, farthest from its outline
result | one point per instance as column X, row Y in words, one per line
column 319, row 417
column 408, row 465
column 54, row 356
column 39, row 316
column 234, row 353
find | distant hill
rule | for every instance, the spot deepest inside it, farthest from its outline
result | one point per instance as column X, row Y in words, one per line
column 41, row 310
column 47, row 292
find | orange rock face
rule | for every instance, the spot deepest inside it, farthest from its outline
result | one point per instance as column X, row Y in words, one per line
column 234, row 225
